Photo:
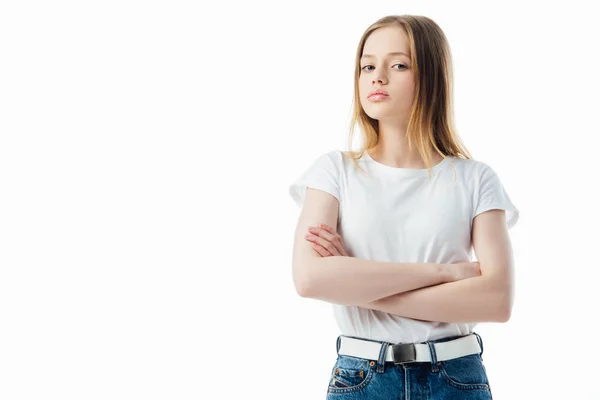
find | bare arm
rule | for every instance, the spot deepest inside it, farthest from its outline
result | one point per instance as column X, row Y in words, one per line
column 350, row 280
column 475, row 299
column 488, row 297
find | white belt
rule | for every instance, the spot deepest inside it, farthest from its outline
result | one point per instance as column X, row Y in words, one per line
column 409, row 352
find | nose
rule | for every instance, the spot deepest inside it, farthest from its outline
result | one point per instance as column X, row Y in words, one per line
column 379, row 79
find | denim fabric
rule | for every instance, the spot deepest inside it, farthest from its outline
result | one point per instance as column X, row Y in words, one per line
column 462, row 378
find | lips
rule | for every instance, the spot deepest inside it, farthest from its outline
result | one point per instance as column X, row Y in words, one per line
column 379, row 93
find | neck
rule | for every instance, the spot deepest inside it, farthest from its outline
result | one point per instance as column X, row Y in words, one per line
column 392, row 148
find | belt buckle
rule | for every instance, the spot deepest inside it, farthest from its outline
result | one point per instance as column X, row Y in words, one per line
column 403, row 353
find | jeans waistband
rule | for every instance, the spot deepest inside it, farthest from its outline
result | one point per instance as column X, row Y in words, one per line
column 446, row 339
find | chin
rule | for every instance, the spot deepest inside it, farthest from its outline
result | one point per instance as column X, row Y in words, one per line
column 376, row 115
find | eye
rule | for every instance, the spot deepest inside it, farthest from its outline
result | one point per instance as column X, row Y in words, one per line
column 402, row 65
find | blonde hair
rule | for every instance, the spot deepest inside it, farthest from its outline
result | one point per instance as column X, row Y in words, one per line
column 431, row 121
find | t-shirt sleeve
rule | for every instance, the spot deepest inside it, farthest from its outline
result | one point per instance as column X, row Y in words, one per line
column 490, row 194
column 322, row 174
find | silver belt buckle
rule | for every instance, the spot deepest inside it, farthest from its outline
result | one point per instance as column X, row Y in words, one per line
column 403, row 353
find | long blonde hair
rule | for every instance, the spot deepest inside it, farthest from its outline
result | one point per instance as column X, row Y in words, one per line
column 431, row 120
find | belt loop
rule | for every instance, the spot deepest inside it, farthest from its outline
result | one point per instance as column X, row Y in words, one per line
column 337, row 345
column 382, row 355
column 434, row 363
column 480, row 343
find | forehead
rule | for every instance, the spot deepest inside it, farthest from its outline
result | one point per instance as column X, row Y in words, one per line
column 389, row 39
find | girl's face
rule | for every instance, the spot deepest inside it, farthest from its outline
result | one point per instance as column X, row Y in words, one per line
column 388, row 72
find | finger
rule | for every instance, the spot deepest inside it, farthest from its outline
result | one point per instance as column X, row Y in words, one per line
column 319, row 249
column 332, row 232
column 332, row 240
column 323, row 232
column 330, row 247
column 337, row 240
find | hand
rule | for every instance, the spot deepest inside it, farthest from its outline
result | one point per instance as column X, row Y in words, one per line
column 464, row 270
column 326, row 241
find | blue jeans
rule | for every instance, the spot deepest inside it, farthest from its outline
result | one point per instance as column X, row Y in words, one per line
column 461, row 378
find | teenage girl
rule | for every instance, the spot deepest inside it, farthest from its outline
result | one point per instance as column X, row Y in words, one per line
column 386, row 233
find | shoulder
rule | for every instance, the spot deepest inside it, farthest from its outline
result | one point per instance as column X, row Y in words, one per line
column 481, row 173
column 333, row 159
column 337, row 155
column 468, row 166
column 330, row 155
column 326, row 159
column 471, row 164
column 484, row 170
column 328, row 162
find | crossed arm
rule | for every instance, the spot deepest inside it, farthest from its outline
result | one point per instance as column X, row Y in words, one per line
column 488, row 297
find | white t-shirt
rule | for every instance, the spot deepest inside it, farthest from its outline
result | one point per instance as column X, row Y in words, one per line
column 399, row 215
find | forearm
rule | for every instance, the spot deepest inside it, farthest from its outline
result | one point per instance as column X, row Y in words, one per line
column 350, row 280
column 477, row 299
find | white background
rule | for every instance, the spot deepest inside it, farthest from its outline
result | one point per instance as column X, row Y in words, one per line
column 146, row 152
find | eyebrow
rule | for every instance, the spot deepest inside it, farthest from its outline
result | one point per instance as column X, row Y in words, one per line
column 394, row 53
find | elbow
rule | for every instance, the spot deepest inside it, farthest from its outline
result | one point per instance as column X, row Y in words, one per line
column 309, row 282
column 499, row 299
column 302, row 286
column 303, row 281
column 504, row 315
column 503, row 306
